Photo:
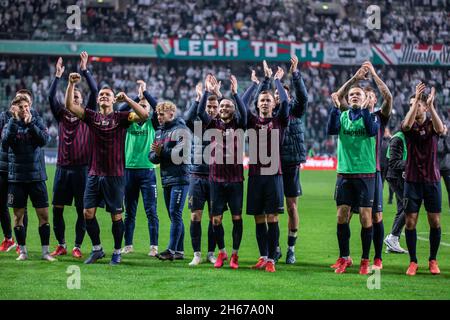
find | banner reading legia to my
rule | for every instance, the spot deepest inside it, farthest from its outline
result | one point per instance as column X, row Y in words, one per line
column 245, row 50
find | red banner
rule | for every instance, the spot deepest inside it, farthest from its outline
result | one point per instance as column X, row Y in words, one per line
column 320, row 163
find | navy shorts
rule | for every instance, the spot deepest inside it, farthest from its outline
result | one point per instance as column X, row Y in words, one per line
column 105, row 190
column 265, row 195
column 18, row 193
column 291, row 181
column 430, row 193
column 377, row 198
column 69, row 185
column 225, row 194
column 199, row 193
column 355, row 192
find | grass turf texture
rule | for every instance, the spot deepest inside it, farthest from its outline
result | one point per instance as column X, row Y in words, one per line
column 142, row 277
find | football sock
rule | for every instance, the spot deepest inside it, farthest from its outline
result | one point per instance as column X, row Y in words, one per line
column 5, row 220
column 80, row 227
column 59, row 226
column 44, row 234
column 211, row 239
column 435, row 240
column 219, row 236
column 411, row 243
column 366, row 240
column 272, row 239
column 19, row 231
column 343, row 239
column 378, row 236
column 237, row 234
column 196, row 235
column 118, row 229
column 292, row 237
column 93, row 230
column 261, row 238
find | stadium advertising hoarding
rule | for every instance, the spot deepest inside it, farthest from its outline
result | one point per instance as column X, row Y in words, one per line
column 244, row 50
column 330, row 53
column 418, row 54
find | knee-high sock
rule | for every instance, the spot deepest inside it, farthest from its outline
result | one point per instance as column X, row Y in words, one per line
column 219, row 236
column 261, row 238
column 237, row 234
column 44, row 233
column 80, row 228
column 272, row 239
column 378, row 236
column 118, row 229
column 93, row 230
column 343, row 235
column 366, row 240
column 411, row 243
column 5, row 220
column 25, row 220
column 435, row 240
column 59, row 226
column 19, row 231
column 211, row 238
column 196, row 235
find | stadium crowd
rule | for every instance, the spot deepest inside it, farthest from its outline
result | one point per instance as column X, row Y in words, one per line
column 342, row 21
column 175, row 81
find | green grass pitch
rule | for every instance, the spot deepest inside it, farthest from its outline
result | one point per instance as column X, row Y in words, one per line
column 142, row 277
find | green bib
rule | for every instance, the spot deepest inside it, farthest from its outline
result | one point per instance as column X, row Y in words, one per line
column 137, row 145
column 401, row 136
column 356, row 150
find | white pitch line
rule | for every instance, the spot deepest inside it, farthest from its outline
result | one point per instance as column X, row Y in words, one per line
column 426, row 239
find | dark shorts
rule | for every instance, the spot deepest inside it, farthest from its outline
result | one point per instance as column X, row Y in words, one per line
column 69, row 185
column 377, row 198
column 291, row 181
column 355, row 192
column 199, row 193
column 430, row 193
column 105, row 190
column 18, row 193
column 225, row 194
column 265, row 195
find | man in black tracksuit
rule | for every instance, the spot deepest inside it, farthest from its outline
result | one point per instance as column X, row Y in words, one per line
column 169, row 148
column 24, row 136
column 397, row 153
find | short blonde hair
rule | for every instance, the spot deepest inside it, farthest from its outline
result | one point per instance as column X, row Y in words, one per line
column 166, row 106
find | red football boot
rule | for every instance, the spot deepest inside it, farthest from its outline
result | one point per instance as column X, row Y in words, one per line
column 270, row 266
column 349, row 263
column 220, row 259
column 412, row 269
column 434, row 268
column 60, row 251
column 261, row 264
column 7, row 245
column 364, row 266
column 76, row 253
column 377, row 264
column 234, row 264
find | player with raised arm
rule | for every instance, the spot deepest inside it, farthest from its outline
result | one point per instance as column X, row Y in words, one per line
column 140, row 174
column 356, row 130
column 74, row 151
column 106, row 182
column 226, row 170
column 265, row 197
column 423, row 179
column 293, row 151
column 199, row 187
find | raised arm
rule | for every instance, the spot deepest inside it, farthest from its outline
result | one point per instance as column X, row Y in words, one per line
column 300, row 102
column 201, row 111
column 284, row 103
column 249, row 94
column 191, row 114
column 342, row 92
column 77, row 110
column 241, row 109
column 386, row 107
column 437, row 122
column 139, row 114
column 92, row 101
column 55, row 105
column 411, row 115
